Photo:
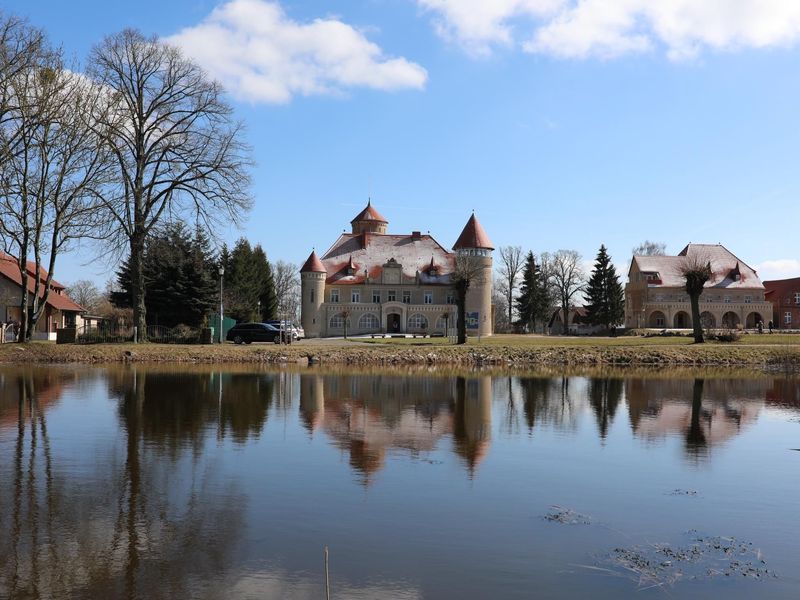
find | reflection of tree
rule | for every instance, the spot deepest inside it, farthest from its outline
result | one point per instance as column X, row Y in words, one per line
column 547, row 402
column 604, row 397
column 696, row 443
column 136, row 527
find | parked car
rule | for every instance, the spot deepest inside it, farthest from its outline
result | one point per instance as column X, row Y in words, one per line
column 247, row 333
column 297, row 332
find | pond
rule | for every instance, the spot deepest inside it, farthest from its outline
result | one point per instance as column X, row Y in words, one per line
column 148, row 482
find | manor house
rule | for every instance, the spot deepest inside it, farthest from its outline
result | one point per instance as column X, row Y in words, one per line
column 372, row 282
column 656, row 297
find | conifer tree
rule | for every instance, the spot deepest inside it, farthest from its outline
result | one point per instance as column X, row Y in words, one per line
column 533, row 303
column 604, row 293
column 248, row 281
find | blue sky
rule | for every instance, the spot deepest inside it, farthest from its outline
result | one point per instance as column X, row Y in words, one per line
column 562, row 125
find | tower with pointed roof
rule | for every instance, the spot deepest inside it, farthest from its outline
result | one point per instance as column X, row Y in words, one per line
column 374, row 282
column 312, row 291
column 475, row 245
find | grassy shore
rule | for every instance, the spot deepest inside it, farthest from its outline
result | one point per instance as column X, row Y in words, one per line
column 765, row 352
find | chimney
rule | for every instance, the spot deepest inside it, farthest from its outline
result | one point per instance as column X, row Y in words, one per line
column 415, row 235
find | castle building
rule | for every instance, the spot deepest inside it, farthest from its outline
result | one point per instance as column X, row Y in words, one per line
column 371, row 281
column 733, row 298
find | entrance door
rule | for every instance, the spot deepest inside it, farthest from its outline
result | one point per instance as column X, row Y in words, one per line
column 393, row 323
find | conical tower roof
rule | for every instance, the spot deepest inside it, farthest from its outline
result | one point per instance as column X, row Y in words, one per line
column 473, row 236
column 369, row 214
column 313, row 264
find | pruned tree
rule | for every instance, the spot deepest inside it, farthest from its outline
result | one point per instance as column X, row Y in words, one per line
column 648, row 248
column 605, row 299
column 469, row 270
column 568, row 279
column 696, row 271
column 178, row 151
column 511, row 260
column 53, row 174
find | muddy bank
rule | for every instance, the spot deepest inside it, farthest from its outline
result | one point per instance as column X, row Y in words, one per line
column 770, row 358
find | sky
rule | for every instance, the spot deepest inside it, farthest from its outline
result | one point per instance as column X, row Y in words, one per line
column 561, row 123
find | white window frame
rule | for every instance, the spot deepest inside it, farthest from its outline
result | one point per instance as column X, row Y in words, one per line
column 391, row 296
column 727, row 300
column 451, row 298
column 335, row 296
column 748, row 299
column 406, row 296
column 416, row 321
column 374, row 324
column 787, row 318
column 797, row 297
column 376, row 296
column 355, row 296
column 336, row 322
column 427, row 297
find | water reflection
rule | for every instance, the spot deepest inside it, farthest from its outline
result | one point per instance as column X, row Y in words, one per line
column 370, row 416
column 705, row 412
column 119, row 483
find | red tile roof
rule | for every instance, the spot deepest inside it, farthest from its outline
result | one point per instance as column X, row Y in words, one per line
column 369, row 214
column 313, row 264
column 353, row 257
column 473, row 236
column 59, row 301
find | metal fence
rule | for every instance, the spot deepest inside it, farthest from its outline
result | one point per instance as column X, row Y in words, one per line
column 106, row 333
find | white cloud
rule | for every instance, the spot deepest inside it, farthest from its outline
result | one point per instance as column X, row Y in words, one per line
column 262, row 55
column 609, row 28
column 783, row 268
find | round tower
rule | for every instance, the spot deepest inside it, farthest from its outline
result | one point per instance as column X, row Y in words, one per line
column 369, row 220
column 312, row 290
column 476, row 247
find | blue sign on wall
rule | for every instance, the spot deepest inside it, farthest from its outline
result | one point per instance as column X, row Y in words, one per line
column 473, row 320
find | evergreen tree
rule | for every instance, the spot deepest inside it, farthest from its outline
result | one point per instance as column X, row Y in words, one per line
column 533, row 303
column 604, row 293
column 180, row 275
column 248, row 281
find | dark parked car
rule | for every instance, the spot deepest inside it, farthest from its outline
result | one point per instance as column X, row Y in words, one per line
column 247, row 333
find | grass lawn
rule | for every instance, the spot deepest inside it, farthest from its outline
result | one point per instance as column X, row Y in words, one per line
column 541, row 341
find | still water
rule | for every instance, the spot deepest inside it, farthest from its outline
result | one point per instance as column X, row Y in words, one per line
column 155, row 483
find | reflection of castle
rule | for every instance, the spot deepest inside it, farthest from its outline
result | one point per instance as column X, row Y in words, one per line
column 370, row 416
column 706, row 412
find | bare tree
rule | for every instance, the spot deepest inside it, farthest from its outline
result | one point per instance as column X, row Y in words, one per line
column 511, row 260
column 499, row 299
column 287, row 288
column 51, row 176
column 566, row 273
column 696, row 271
column 86, row 293
column 177, row 149
column 469, row 270
column 648, row 248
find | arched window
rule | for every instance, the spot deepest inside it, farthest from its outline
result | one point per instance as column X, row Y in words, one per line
column 417, row 321
column 337, row 322
column 368, row 321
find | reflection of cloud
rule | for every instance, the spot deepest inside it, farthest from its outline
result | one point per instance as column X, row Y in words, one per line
column 262, row 55
column 277, row 584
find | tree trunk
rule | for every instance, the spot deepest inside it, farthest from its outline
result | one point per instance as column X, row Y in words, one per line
column 565, row 311
column 510, row 308
column 697, row 326
column 138, row 286
column 24, row 326
column 461, row 301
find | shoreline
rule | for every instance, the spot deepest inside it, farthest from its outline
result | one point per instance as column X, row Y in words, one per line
column 783, row 358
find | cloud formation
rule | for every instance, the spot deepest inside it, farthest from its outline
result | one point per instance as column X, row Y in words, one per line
column 782, row 268
column 261, row 55
column 610, row 28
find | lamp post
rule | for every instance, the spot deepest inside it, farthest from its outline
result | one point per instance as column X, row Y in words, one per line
column 221, row 307
column 258, row 311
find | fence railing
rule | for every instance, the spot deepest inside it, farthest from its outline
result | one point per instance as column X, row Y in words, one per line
column 106, row 333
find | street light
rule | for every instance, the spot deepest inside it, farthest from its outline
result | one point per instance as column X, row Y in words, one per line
column 259, row 311
column 221, row 307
